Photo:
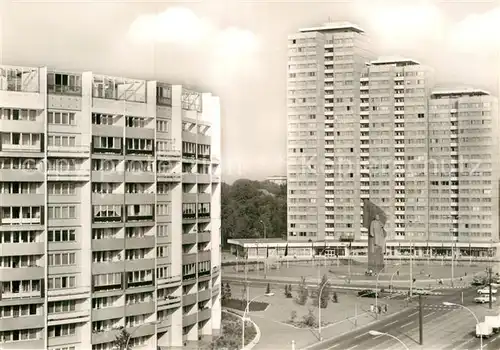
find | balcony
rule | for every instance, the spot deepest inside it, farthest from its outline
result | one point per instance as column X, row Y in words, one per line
column 204, row 314
column 67, row 317
column 164, row 325
column 189, row 258
column 204, row 236
column 108, row 244
column 139, row 217
column 189, row 178
column 203, row 178
column 204, row 255
column 23, row 322
column 204, row 295
column 346, row 237
column 139, row 198
column 139, row 177
column 24, row 175
column 189, row 299
column 140, row 242
column 215, row 178
column 169, row 281
column 107, row 150
column 107, row 219
column 68, row 151
column 169, row 177
column 189, row 238
column 113, row 266
column 140, row 308
column 188, row 320
column 106, row 313
column 105, row 336
column 19, row 199
column 189, row 197
column 168, row 153
column 21, row 221
column 64, row 90
column 32, row 248
column 76, row 174
column 77, row 293
column 169, row 302
column 22, row 273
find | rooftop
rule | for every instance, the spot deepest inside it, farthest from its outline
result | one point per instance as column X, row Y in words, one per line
column 334, row 27
column 394, row 60
column 455, row 92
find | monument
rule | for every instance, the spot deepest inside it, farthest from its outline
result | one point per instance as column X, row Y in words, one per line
column 374, row 220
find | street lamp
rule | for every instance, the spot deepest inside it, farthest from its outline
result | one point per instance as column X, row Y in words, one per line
column 245, row 316
column 139, row 326
column 265, row 231
column 376, row 292
column 446, row 303
column 319, row 308
column 392, row 276
column 376, row 333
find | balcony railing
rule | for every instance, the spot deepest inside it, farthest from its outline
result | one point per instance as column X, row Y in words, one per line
column 164, row 101
column 107, row 218
column 203, row 215
column 64, row 90
column 148, row 217
column 96, row 149
column 189, row 215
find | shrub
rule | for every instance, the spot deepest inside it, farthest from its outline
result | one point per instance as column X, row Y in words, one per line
column 303, row 293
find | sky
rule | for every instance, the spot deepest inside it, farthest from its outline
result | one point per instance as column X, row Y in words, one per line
column 238, row 50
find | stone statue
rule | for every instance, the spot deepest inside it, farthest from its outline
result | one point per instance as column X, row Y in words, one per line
column 376, row 245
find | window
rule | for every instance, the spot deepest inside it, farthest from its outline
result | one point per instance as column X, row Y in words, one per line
column 61, row 188
column 61, row 141
column 18, row 311
column 20, row 139
column 21, row 213
column 138, row 166
column 104, row 233
column 107, row 279
column 162, row 230
column 61, row 282
column 62, row 212
column 139, row 276
column 20, row 287
column 139, row 145
column 163, row 188
column 104, row 164
column 163, row 272
column 99, row 303
column 107, row 142
column 163, row 209
column 135, row 122
column 139, row 298
column 18, row 236
column 65, row 235
column 107, row 211
column 18, row 114
column 19, row 335
column 103, row 119
column 162, row 125
column 134, row 254
column 162, row 251
column 104, row 187
column 61, row 259
column 61, row 118
column 188, row 149
column 19, row 163
column 18, row 187
column 189, row 208
column 18, row 261
column 134, row 210
column 62, row 306
column 137, row 188
column 62, row 330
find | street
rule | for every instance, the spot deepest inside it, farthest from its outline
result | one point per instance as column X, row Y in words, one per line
column 445, row 327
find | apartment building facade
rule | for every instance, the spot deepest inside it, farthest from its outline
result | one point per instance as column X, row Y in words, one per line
column 360, row 127
column 324, row 68
column 110, row 211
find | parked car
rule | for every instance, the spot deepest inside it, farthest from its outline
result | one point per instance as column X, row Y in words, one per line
column 369, row 272
column 493, row 321
column 486, row 290
column 483, row 299
column 368, row 293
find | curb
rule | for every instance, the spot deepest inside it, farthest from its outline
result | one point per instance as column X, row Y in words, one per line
column 324, row 344
column 256, row 339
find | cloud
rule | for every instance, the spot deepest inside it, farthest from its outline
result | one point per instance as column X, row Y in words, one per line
column 477, row 33
column 179, row 25
column 399, row 26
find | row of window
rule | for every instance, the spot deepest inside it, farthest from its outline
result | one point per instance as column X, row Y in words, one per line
column 18, row 114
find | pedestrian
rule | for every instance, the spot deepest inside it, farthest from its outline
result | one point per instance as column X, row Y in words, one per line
column 379, row 309
column 372, row 308
column 385, row 308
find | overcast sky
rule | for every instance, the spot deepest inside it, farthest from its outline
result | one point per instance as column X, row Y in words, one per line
column 237, row 50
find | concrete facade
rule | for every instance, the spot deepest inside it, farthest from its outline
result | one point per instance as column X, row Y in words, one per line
column 110, row 211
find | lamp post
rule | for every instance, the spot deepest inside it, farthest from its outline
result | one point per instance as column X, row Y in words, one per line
column 267, row 250
column 245, row 316
column 265, row 231
column 319, row 308
column 446, row 303
column 376, row 333
column 392, row 276
column 376, row 291
column 130, row 334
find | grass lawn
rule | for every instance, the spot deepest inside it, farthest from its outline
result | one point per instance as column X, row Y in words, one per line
column 238, row 304
column 231, row 334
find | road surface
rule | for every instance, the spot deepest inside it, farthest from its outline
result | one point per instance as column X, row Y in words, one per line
column 445, row 327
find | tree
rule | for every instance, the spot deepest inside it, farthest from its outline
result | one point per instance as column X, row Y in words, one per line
column 302, row 293
column 246, row 202
column 324, row 288
column 309, row 320
column 226, row 292
column 268, row 289
column 121, row 340
column 293, row 316
column 244, row 295
column 286, row 290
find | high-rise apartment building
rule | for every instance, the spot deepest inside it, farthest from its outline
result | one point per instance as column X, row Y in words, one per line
column 109, row 211
column 463, row 168
column 360, row 127
column 393, row 122
column 324, row 69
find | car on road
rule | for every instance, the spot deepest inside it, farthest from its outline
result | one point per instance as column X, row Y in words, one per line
column 483, row 299
column 368, row 293
column 486, row 290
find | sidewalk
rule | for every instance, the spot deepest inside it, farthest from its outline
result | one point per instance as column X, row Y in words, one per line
column 277, row 336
